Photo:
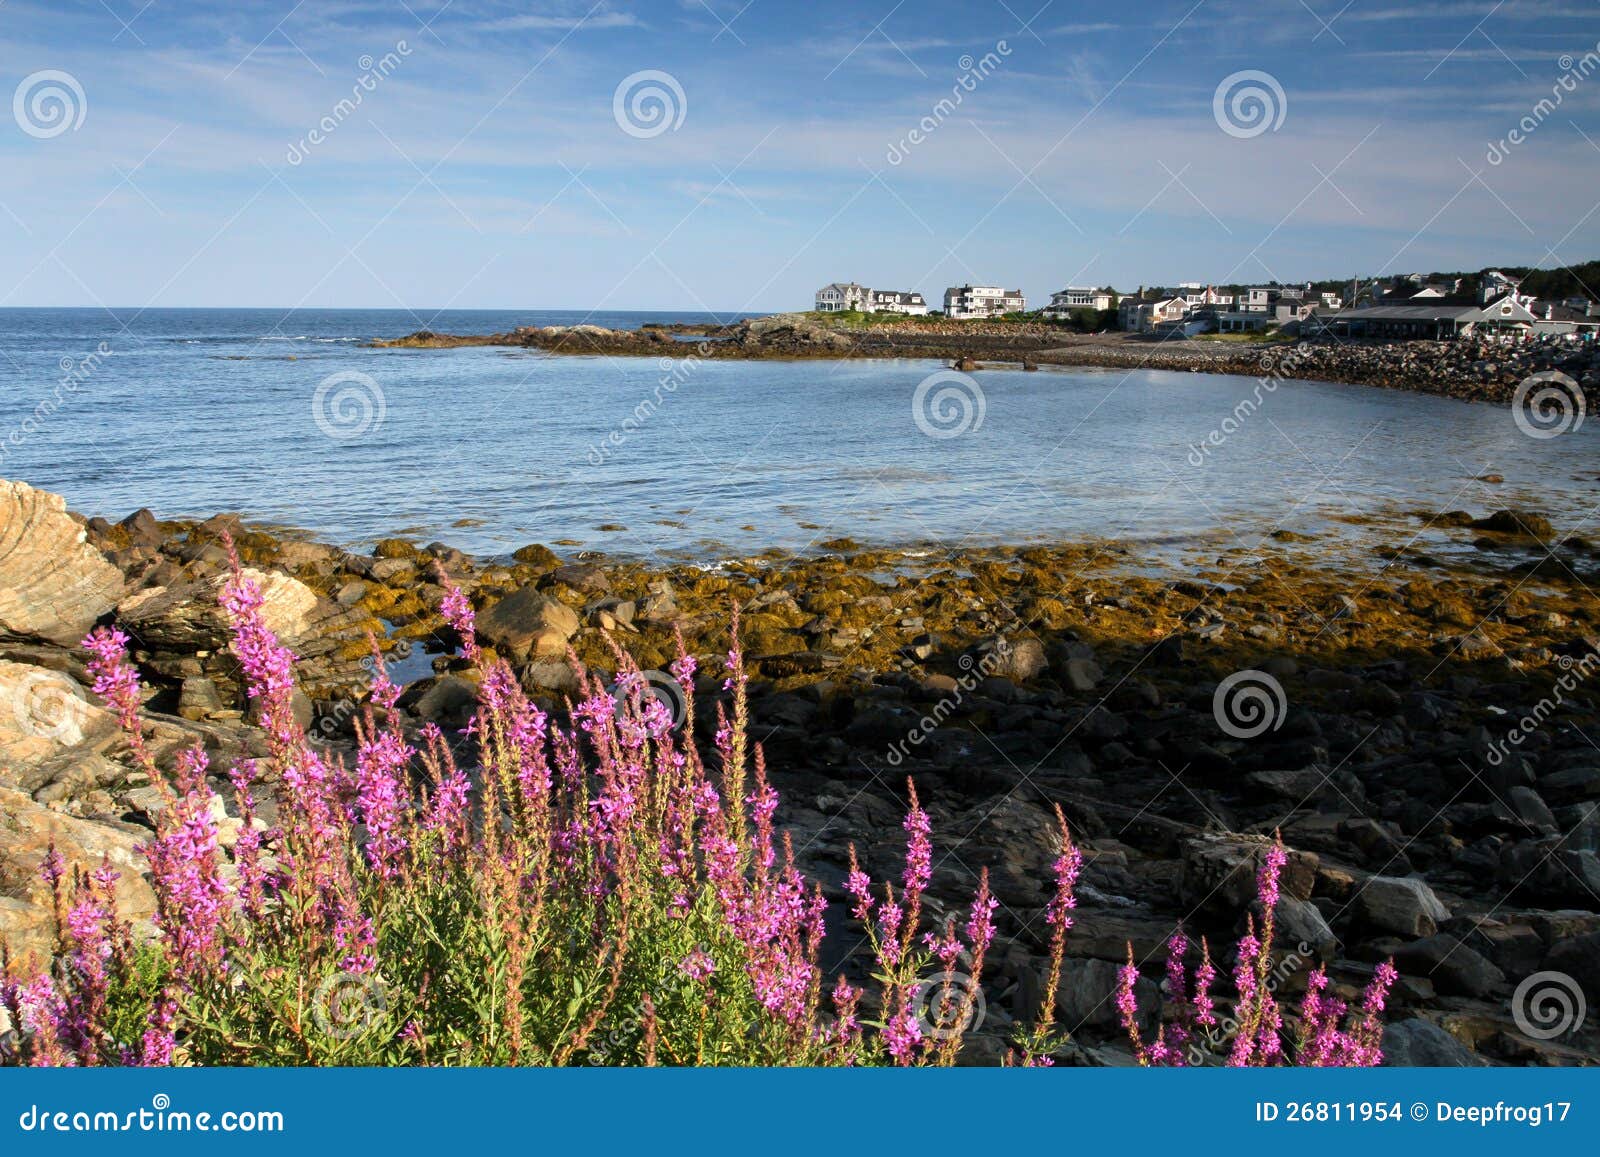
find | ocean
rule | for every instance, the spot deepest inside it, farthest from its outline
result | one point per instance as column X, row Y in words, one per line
column 285, row 417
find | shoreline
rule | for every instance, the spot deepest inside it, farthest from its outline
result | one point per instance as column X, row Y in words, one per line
column 1469, row 369
column 1002, row 680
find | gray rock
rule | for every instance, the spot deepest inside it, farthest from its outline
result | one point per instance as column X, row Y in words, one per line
column 1302, row 922
column 1579, row 958
column 1451, row 965
column 549, row 675
column 1082, row 674
column 1400, row 904
column 1087, row 996
column 1421, row 1043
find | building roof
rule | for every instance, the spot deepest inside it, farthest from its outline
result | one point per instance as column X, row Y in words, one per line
column 1437, row 309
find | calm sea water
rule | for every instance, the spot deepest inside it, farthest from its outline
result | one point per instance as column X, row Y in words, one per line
column 285, row 417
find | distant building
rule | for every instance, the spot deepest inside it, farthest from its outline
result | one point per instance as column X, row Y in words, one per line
column 1243, row 320
column 1497, row 310
column 1065, row 302
column 1146, row 314
column 982, row 301
column 898, row 301
column 1200, row 296
column 840, row 296
column 1260, row 298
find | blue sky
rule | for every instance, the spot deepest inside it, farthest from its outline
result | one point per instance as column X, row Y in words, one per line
column 488, row 168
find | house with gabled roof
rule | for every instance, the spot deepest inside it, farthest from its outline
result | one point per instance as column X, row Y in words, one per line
column 839, row 296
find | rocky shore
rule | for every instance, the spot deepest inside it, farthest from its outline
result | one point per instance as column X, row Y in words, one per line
column 1470, row 369
column 1422, row 735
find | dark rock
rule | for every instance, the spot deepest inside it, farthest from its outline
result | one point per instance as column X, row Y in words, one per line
column 1402, row 904
column 1451, row 965
column 1418, row 1043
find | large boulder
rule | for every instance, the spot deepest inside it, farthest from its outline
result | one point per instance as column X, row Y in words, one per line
column 188, row 618
column 53, row 584
column 50, row 729
column 1400, row 904
column 1219, row 872
column 526, row 623
column 26, row 833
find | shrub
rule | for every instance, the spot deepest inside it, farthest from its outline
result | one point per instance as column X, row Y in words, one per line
column 591, row 894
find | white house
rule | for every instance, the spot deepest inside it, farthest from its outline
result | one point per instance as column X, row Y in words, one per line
column 1198, row 296
column 982, row 301
column 1259, row 299
column 841, row 296
column 898, row 301
column 1064, row 302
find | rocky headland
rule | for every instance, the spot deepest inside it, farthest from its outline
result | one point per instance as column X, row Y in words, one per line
column 1427, row 750
column 1469, row 369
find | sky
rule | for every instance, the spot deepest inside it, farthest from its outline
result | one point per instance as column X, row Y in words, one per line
column 433, row 154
